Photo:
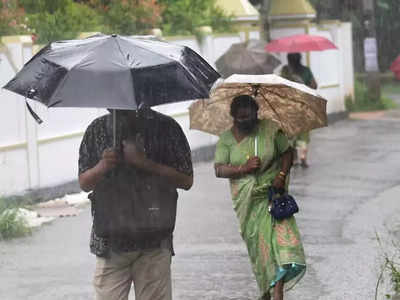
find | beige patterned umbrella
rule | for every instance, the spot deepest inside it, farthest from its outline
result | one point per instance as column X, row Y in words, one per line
column 294, row 107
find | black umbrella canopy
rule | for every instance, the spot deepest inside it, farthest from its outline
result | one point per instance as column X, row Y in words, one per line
column 115, row 72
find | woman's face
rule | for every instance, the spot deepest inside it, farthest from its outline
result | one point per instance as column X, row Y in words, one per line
column 246, row 119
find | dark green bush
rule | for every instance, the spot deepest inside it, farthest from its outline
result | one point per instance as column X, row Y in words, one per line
column 363, row 102
column 11, row 225
column 64, row 22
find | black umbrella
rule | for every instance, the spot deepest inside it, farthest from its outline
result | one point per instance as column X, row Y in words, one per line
column 115, row 72
column 247, row 58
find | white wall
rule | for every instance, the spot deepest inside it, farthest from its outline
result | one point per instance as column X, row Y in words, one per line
column 33, row 156
column 347, row 44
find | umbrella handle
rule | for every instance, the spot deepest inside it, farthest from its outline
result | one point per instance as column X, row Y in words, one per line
column 114, row 129
column 33, row 114
column 256, row 147
column 113, row 173
column 30, row 94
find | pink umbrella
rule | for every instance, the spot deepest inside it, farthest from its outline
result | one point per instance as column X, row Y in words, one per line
column 300, row 43
column 395, row 67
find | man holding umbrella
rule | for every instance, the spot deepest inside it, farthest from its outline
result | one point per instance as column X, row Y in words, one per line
column 121, row 261
column 132, row 160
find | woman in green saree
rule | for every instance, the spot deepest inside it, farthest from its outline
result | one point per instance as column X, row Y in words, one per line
column 254, row 154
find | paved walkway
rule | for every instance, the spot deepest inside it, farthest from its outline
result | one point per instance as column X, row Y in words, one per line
column 350, row 190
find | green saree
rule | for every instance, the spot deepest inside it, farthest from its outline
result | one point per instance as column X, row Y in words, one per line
column 274, row 247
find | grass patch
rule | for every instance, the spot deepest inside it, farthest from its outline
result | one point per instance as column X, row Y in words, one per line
column 391, row 88
column 390, row 267
column 388, row 103
column 11, row 225
column 363, row 102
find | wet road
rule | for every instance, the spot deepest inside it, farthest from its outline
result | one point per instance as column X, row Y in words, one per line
column 349, row 191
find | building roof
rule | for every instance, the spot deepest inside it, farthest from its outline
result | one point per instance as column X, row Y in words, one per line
column 291, row 8
column 240, row 9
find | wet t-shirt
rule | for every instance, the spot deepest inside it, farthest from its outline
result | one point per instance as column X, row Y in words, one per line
column 168, row 148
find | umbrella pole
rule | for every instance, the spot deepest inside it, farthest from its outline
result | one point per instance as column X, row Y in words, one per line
column 256, row 147
column 114, row 128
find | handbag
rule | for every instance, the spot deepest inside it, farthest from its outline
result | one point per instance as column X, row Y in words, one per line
column 282, row 204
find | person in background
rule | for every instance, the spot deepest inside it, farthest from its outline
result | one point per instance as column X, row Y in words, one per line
column 296, row 71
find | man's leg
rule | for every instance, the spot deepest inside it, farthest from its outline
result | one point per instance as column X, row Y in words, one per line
column 151, row 274
column 113, row 279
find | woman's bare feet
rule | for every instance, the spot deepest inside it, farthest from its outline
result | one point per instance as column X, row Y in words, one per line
column 278, row 290
column 266, row 297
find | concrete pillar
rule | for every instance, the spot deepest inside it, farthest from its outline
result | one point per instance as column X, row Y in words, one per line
column 206, row 42
column 157, row 32
column 371, row 51
column 31, row 125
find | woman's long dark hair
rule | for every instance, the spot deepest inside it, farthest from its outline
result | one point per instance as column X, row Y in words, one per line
column 294, row 60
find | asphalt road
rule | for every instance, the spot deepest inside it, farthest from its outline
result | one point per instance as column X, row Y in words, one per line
column 348, row 193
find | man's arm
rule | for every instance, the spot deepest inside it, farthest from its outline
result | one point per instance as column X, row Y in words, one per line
column 91, row 177
column 138, row 159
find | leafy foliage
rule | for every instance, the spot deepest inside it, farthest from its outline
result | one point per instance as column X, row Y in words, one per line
column 185, row 16
column 363, row 102
column 50, row 6
column 11, row 17
column 61, row 19
column 11, row 225
column 129, row 17
column 64, row 19
column 387, row 26
column 391, row 267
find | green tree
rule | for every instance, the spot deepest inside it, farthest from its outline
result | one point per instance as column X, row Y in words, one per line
column 387, row 29
column 347, row 11
column 387, row 26
column 129, row 17
column 60, row 19
column 50, row 6
column 185, row 16
column 11, row 18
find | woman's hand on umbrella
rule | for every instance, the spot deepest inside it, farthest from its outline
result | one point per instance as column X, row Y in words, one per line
column 133, row 155
column 252, row 165
column 110, row 159
column 279, row 182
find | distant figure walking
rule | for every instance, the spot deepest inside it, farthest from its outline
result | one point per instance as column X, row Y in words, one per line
column 297, row 72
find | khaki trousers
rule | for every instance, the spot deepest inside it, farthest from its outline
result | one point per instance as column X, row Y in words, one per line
column 148, row 270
